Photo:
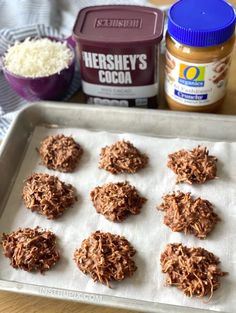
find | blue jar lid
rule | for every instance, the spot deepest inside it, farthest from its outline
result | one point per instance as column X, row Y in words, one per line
column 201, row 23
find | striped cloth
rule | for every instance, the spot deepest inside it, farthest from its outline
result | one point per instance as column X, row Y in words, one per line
column 29, row 18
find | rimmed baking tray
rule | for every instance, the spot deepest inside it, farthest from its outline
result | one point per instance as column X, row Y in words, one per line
column 145, row 122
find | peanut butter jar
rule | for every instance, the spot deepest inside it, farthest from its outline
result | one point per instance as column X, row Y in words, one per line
column 199, row 42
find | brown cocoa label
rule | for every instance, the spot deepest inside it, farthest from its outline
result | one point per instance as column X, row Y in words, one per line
column 123, row 74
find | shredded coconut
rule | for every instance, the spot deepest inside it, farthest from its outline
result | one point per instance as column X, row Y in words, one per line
column 37, row 57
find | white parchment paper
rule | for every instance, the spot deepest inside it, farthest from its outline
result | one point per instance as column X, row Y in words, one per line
column 145, row 231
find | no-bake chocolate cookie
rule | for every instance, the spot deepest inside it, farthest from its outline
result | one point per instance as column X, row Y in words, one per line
column 122, row 157
column 106, row 257
column 47, row 195
column 60, row 153
column 117, row 200
column 195, row 271
column 31, row 249
column 193, row 166
column 188, row 215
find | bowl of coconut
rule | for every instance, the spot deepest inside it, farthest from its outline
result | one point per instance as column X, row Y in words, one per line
column 40, row 68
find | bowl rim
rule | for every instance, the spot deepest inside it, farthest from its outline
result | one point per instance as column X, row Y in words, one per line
column 70, row 64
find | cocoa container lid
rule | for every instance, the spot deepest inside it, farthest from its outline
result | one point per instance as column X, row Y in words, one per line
column 119, row 24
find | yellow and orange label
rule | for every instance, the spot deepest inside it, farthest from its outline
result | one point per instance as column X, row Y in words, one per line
column 191, row 75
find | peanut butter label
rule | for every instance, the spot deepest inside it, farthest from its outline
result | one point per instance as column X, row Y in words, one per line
column 196, row 84
column 191, row 75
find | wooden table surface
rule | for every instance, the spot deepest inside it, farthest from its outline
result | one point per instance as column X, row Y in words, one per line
column 17, row 303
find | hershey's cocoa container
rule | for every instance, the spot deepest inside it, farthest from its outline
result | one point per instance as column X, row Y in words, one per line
column 118, row 49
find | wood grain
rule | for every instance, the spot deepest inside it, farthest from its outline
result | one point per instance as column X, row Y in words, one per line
column 16, row 303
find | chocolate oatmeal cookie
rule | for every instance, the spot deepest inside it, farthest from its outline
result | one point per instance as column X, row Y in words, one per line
column 117, row 200
column 188, row 215
column 31, row 249
column 106, row 257
column 47, row 195
column 194, row 166
column 122, row 157
column 195, row 271
column 60, row 153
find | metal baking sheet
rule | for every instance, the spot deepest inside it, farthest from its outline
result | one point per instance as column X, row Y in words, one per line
column 146, row 122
